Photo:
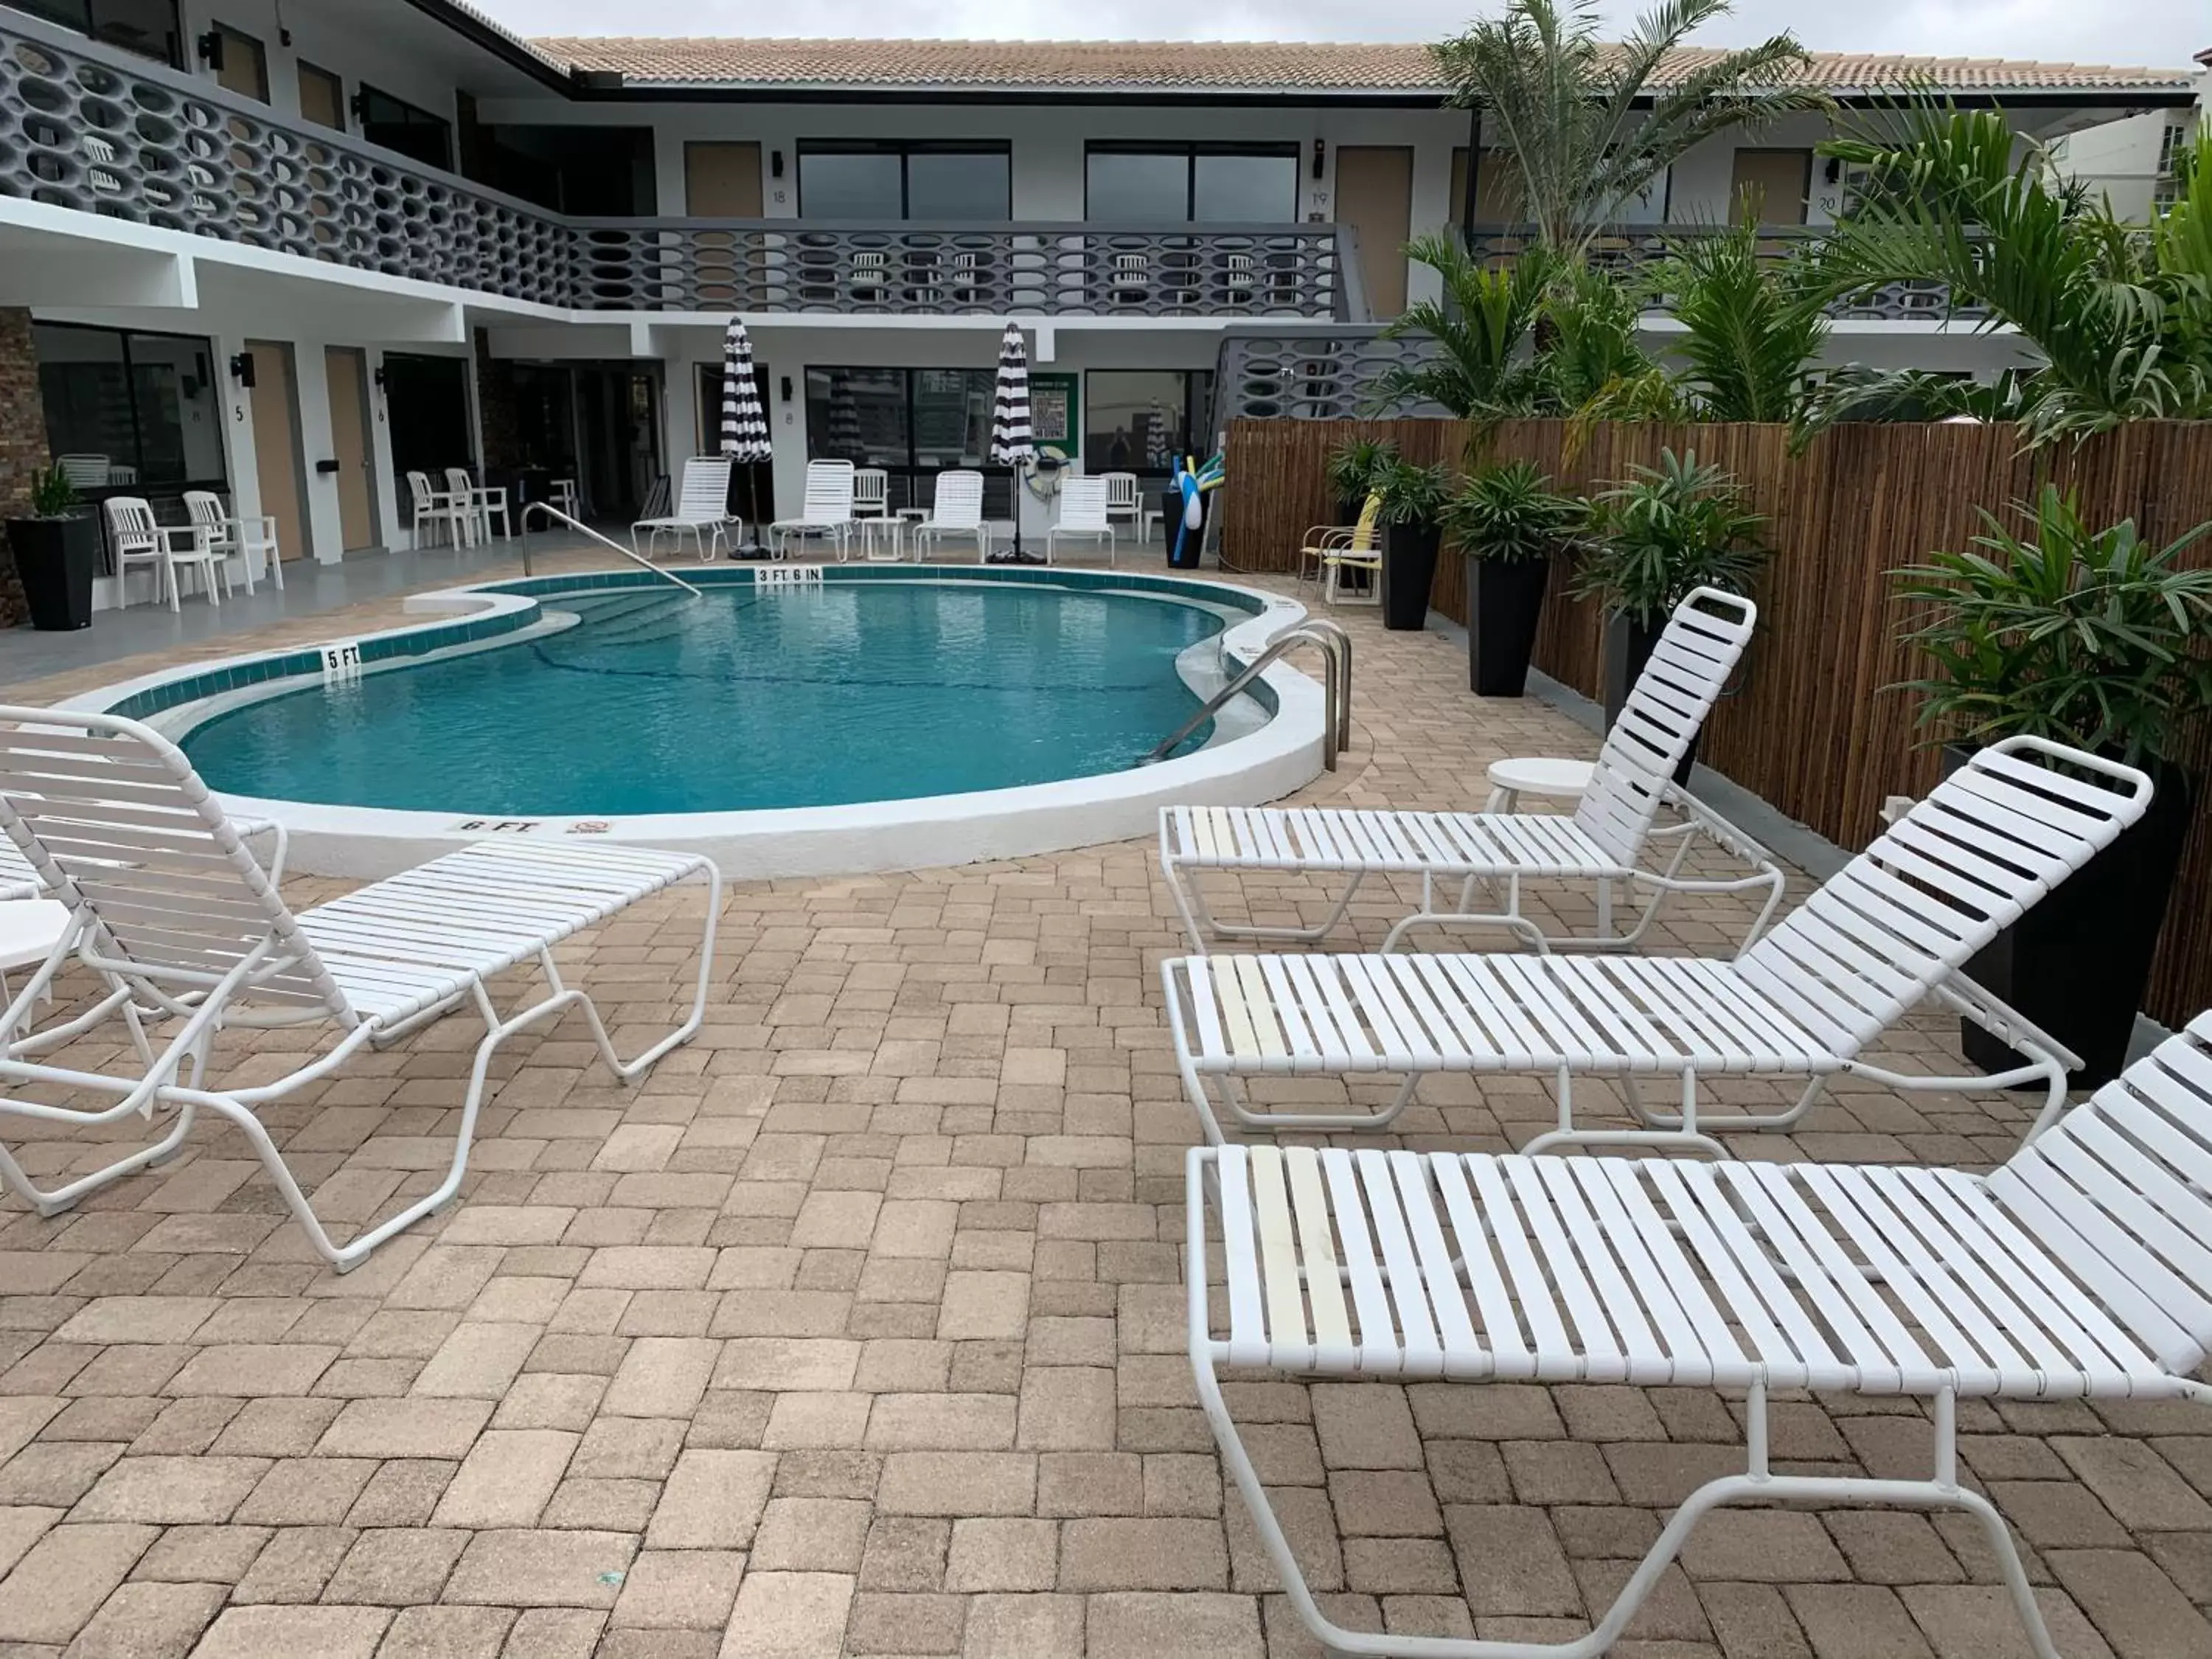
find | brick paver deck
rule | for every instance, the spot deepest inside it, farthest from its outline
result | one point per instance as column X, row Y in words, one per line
column 857, row 1328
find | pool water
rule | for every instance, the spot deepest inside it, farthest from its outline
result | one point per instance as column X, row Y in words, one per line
column 740, row 699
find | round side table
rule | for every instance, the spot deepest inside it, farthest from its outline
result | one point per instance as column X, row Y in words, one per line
column 1553, row 780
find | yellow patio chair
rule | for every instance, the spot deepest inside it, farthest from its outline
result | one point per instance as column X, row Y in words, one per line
column 1331, row 551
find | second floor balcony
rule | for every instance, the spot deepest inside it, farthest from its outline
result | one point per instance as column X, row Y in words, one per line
column 88, row 128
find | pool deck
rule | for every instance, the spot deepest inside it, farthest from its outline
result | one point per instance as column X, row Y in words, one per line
column 857, row 1328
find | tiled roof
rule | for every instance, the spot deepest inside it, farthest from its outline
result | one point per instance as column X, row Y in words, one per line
column 1218, row 65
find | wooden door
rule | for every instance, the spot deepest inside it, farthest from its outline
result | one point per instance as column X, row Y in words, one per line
column 322, row 97
column 722, row 181
column 1375, row 195
column 275, row 402
column 1773, row 183
column 245, row 65
column 346, row 370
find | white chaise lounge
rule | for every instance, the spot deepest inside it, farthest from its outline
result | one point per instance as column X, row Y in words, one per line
column 827, row 511
column 956, row 512
column 2082, row 1268
column 702, row 512
column 1895, row 926
column 1603, row 842
column 168, row 902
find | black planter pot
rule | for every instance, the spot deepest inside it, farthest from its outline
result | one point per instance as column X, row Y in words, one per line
column 55, row 558
column 1171, row 526
column 1628, row 646
column 1348, row 509
column 1505, row 598
column 2076, row 963
column 1409, row 569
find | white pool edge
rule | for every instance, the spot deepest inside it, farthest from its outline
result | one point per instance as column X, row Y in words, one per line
column 1283, row 755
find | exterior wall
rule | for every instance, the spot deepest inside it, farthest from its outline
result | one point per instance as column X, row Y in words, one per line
column 2118, row 160
column 342, row 37
column 22, row 443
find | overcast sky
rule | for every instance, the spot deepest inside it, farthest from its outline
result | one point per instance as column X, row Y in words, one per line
column 2161, row 33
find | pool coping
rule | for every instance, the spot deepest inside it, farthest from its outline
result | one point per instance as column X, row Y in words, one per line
column 1283, row 755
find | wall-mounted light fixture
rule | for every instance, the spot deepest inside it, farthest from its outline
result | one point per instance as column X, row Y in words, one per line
column 209, row 46
column 1321, row 157
column 775, row 164
column 241, row 369
column 378, row 377
column 783, row 388
column 1833, row 171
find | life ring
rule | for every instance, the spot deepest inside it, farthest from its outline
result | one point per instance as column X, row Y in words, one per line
column 1041, row 472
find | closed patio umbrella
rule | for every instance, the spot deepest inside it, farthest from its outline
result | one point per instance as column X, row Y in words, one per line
column 744, row 423
column 1011, row 442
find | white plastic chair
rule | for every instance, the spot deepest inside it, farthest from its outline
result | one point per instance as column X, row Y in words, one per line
column 86, row 472
column 2077, row 1270
column 138, row 537
column 198, row 932
column 1082, row 514
column 234, row 537
column 435, row 510
column 702, row 510
column 871, row 493
column 1894, row 927
column 485, row 503
column 1125, row 502
column 956, row 510
column 826, row 512
column 1604, row 842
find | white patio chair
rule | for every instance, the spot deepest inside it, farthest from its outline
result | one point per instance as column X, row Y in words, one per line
column 436, row 510
column 1895, row 926
column 86, row 472
column 1125, row 502
column 871, row 493
column 485, row 503
column 826, row 512
column 234, row 537
column 1082, row 514
column 1604, row 842
column 194, row 928
column 702, row 510
column 2078, row 1270
column 956, row 510
column 138, row 537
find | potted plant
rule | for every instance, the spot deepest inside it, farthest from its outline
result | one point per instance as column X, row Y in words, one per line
column 56, row 549
column 1413, row 498
column 1648, row 543
column 1352, row 467
column 2093, row 638
column 1508, row 523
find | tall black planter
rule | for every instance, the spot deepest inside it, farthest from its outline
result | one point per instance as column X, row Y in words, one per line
column 1505, row 598
column 55, row 558
column 1628, row 646
column 2078, row 962
column 1409, row 569
column 1348, row 509
column 1171, row 525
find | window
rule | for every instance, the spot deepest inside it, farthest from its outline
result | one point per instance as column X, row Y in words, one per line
column 241, row 66
column 1185, row 184
column 146, row 404
column 322, row 97
column 426, row 399
column 843, row 179
column 1145, row 420
column 398, row 125
column 149, row 28
column 912, row 422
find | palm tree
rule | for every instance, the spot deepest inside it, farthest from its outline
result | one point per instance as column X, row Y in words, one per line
column 1477, row 369
column 1590, row 126
column 1751, row 325
column 2121, row 314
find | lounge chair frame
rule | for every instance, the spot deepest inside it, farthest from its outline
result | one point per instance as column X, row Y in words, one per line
column 2079, row 1269
column 1895, row 926
column 169, row 906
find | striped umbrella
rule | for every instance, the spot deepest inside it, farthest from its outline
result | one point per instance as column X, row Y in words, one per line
column 744, row 423
column 1011, row 442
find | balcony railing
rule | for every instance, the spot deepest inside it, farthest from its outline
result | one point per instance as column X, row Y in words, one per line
column 87, row 127
column 1630, row 250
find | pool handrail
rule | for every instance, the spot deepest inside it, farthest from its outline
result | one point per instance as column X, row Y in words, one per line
column 1335, row 646
column 553, row 512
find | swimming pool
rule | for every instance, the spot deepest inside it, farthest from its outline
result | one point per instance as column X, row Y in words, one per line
column 745, row 697
column 785, row 721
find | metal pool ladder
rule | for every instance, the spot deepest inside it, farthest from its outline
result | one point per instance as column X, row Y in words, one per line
column 631, row 554
column 1335, row 648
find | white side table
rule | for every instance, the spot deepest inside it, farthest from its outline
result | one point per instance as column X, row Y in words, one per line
column 889, row 531
column 29, row 930
column 1553, row 780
